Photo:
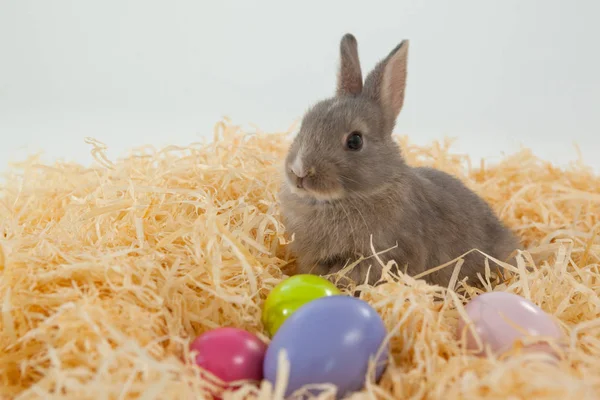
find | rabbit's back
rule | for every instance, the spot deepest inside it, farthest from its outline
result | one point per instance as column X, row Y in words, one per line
column 456, row 220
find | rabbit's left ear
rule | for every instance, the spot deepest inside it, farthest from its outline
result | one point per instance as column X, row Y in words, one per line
column 387, row 82
column 349, row 80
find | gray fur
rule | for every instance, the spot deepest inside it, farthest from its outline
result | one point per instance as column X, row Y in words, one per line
column 348, row 196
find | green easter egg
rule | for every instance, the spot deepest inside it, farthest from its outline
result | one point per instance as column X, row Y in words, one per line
column 291, row 294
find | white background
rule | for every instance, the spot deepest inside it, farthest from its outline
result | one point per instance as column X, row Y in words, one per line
column 494, row 74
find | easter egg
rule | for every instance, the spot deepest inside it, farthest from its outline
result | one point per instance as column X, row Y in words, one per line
column 230, row 354
column 291, row 294
column 501, row 319
column 329, row 340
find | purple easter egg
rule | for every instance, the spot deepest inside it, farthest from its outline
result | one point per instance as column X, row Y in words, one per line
column 329, row 340
column 501, row 319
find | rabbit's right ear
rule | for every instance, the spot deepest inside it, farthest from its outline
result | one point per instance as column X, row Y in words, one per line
column 349, row 80
column 386, row 84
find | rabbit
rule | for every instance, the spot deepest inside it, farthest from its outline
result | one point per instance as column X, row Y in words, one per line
column 345, row 179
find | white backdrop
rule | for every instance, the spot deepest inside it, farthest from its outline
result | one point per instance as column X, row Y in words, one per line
column 494, row 74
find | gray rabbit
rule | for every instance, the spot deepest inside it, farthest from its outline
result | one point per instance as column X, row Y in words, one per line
column 345, row 180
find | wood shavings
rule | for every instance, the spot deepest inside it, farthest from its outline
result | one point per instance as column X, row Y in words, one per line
column 107, row 273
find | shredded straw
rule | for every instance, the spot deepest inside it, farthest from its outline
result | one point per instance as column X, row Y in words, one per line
column 109, row 271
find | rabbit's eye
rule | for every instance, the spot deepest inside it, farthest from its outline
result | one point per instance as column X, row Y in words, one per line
column 354, row 141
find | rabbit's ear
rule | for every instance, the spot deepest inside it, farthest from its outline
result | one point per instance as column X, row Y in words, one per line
column 349, row 80
column 386, row 83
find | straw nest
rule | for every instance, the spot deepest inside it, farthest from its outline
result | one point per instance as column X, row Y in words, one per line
column 109, row 271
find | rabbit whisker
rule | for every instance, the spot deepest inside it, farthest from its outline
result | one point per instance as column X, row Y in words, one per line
column 348, row 179
column 357, row 208
column 352, row 230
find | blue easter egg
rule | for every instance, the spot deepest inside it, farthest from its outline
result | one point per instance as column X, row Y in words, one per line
column 329, row 340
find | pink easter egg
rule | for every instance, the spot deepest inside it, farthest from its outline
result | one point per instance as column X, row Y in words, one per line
column 501, row 319
column 230, row 354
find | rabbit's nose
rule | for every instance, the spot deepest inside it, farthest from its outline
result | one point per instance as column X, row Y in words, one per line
column 299, row 172
column 297, row 167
